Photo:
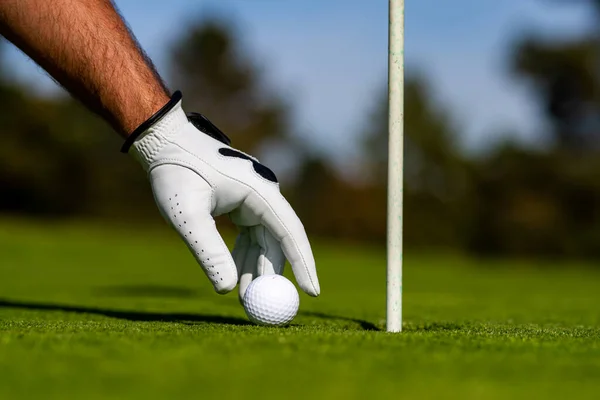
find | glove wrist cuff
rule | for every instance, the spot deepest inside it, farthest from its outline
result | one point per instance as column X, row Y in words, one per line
column 156, row 132
column 154, row 119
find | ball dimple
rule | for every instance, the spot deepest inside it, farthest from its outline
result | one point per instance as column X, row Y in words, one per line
column 271, row 300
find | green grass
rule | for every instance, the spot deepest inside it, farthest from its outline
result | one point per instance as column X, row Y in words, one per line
column 117, row 313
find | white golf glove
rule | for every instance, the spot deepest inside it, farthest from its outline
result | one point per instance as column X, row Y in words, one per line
column 195, row 176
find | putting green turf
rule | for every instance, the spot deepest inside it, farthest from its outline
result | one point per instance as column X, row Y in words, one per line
column 121, row 313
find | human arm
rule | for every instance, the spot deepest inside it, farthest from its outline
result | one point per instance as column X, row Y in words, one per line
column 86, row 47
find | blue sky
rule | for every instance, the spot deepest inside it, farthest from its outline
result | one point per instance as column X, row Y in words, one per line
column 330, row 56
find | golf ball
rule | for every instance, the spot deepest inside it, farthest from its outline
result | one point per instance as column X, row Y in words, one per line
column 271, row 300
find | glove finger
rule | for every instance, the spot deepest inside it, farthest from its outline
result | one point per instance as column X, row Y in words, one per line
column 184, row 199
column 277, row 215
column 240, row 249
column 271, row 259
column 249, row 271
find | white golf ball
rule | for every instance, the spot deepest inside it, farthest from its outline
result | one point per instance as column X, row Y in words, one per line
column 271, row 300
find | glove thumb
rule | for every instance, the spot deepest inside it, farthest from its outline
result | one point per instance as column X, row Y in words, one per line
column 185, row 201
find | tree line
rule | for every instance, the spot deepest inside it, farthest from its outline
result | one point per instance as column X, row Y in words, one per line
column 59, row 161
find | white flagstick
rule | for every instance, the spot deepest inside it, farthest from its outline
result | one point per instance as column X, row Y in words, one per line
column 395, row 164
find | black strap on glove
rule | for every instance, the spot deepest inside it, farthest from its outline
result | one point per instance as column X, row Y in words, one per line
column 204, row 125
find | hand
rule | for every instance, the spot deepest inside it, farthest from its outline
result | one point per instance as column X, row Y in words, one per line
column 195, row 176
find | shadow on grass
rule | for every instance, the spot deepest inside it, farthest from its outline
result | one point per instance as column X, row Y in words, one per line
column 163, row 316
column 183, row 292
column 147, row 291
column 127, row 315
column 365, row 325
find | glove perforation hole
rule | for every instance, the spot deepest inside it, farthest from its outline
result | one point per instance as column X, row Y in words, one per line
column 176, row 210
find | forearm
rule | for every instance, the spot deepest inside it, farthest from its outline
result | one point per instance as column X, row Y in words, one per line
column 86, row 47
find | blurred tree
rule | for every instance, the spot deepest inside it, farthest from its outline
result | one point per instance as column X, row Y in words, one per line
column 435, row 177
column 435, row 180
column 221, row 82
column 545, row 202
column 533, row 203
column 566, row 79
column 333, row 207
column 59, row 160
